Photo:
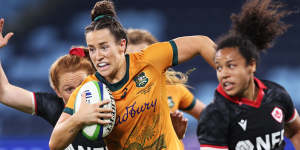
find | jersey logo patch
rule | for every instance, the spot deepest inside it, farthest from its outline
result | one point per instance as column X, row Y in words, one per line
column 141, row 79
column 171, row 102
column 277, row 114
column 243, row 124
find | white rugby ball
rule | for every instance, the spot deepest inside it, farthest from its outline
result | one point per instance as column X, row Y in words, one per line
column 96, row 92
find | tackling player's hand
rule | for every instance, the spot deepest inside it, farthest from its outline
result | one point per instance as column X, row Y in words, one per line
column 179, row 123
column 93, row 113
column 4, row 40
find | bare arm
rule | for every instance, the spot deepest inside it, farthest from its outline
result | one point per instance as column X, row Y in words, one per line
column 293, row 132
column 15, row 97
column 69, row 126
column 11, row 95
column 66, row 129
column 190, row 46
column 197, row 109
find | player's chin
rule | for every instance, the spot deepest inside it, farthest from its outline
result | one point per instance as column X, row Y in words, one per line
column 231, row 92
column 104, row 73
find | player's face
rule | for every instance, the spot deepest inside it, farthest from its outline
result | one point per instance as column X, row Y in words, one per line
column 131, row 48
column 105, row 52
column 233, row 73
column 68, row 82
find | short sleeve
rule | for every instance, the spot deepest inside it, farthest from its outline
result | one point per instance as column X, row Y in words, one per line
column 290, row 111
column 187, row 100
column 48, row 106
column 213, row 127
column 161, row 55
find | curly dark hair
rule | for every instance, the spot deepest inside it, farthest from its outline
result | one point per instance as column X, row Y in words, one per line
column 254, row 29
column 106, row 9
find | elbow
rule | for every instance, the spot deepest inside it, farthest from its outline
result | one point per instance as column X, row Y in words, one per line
column 4, row 88
column 209, row 41
column 206, row 39
column 54, row 146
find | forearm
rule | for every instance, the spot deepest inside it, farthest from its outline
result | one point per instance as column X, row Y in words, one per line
column 64, row 133
column 292, row 131
column 295, row 139
column 3, row 78
column 18, row 98
column 13, row 96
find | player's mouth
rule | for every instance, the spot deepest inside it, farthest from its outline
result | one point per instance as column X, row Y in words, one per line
column 102, row 66
column 228, row 86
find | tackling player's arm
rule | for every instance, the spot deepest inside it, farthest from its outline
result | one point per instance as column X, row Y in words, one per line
column 68, row 125
column 293, row 131
column 10, row 94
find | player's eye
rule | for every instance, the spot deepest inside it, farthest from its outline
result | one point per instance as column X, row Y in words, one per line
column 231, row 66
column 105, row 47
column 218, row 68
column 69, row 90
column 91, row 49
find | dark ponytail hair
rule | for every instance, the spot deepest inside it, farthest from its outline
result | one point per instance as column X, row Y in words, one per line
column 254, row 28
column 103, row 16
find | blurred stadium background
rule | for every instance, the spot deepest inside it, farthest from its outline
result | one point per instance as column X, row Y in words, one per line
column 46, row 29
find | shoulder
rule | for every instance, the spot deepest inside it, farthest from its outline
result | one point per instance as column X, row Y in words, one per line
column 273, row 85
column 46, row 95
column 150, row 50
column 217, row 109
column 87, row 79
column 213, row 124
column 221, row 102
column 276, row 90
column 90, row 78
column 161, row 45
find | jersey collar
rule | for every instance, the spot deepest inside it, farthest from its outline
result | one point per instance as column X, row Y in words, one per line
column 241, row 101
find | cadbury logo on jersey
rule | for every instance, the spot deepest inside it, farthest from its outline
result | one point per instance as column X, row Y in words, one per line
column 132, row 111
column 267, row 142
column 141, row 80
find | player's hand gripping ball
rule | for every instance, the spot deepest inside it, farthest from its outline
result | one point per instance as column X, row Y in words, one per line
column 96, row 92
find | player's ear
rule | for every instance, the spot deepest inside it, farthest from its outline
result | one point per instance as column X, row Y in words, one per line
column 123, row 45
column 58, row 93
column 252, row 65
